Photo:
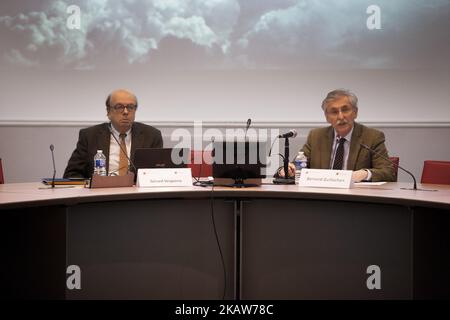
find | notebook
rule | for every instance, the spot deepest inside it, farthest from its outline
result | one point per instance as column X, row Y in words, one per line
column 64, row 181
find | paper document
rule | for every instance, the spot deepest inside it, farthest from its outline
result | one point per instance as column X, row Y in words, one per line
column 356, row 184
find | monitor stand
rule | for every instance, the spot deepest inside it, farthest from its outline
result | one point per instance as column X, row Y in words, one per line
column 237, row 183
column 284, row 181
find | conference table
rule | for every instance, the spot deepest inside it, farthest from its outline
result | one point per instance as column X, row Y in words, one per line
column 266, row 242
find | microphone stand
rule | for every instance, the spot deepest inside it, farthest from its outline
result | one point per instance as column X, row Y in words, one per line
column 286, row 158
column 286, row 179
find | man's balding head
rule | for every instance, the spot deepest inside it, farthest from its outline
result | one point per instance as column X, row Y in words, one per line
column 121, row 108
column 113, row 96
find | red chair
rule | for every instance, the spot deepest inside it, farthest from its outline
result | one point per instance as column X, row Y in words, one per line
column 437, row 172
column 396, row 161
column 201, row 163
column 2, row 180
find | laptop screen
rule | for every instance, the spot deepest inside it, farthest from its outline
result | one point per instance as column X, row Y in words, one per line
column 150, row 158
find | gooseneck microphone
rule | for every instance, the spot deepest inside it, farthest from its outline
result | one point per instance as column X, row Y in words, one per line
column 398, row 166
column 249, row 122
column 120, row 146
column 52, row 147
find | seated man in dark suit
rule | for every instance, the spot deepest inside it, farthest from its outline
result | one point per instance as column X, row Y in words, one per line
column 339, row 146
column 121, row 106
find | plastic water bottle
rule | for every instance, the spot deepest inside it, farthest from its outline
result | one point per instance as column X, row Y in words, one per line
column 100, row 163
column 300, row 162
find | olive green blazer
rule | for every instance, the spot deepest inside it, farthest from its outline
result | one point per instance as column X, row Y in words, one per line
column 319, row 144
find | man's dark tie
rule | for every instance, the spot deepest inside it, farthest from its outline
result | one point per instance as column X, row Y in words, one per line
column 339, row 157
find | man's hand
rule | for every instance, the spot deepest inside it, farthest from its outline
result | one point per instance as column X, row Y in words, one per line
column 291, row 171
column 359, row 175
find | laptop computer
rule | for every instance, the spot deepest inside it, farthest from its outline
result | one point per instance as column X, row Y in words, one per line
column 152, row 158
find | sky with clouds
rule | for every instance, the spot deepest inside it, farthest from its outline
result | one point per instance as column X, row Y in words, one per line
column 225, row 34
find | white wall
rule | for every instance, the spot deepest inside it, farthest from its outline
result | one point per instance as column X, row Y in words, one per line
column 264, row 95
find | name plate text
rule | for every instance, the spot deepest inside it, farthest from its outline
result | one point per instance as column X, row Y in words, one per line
column 326, row 178
column 164, row 177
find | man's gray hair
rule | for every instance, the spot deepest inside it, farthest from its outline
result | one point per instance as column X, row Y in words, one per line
column 338, row 93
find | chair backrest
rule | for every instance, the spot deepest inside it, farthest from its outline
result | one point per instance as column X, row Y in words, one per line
column 437, row 172
column 395, row 160
column 2, row 180
column 201, row 163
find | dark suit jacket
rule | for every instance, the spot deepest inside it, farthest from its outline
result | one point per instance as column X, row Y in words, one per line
column 81, row 163
column 318, row 148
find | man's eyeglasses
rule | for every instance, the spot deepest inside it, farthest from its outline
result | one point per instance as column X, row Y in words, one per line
column 121, row 107
column 344, row 110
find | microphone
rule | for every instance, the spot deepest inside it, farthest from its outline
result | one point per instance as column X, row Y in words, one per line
column 398, row 166
column 120, row 146
column 54, row 167
column 249, row 122
column 291, row 134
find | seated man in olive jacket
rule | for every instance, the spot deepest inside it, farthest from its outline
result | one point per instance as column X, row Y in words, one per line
column 121, row 106
column 323, row 144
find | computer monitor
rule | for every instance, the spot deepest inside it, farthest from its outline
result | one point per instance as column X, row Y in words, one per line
column 150, row 158
column 238, row 163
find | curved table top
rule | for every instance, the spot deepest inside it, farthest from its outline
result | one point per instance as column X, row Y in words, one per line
column 20, row 195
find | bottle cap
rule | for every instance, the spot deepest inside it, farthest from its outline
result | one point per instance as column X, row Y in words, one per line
column 99, row 151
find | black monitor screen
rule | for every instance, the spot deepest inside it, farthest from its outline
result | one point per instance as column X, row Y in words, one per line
column 239, row 160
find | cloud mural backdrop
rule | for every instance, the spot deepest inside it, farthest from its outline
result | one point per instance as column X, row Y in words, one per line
column 283, row 34
column 127, row 32
column 244, row 37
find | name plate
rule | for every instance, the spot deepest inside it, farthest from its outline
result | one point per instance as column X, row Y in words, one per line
column 164, row 177
column 326, row 178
